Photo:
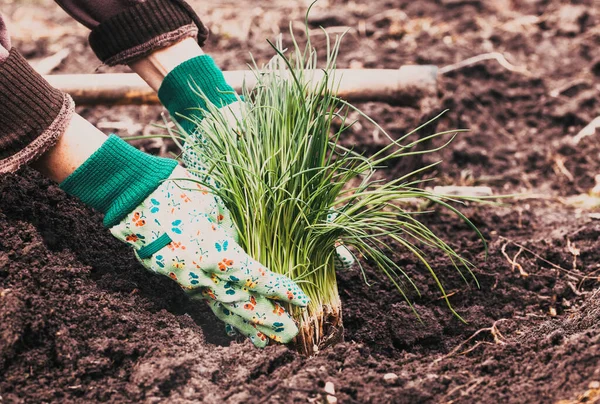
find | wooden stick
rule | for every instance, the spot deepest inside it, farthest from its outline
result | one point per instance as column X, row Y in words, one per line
column 406, row 86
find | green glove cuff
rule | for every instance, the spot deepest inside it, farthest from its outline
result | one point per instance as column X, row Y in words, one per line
column 117, row 178
column 178, row 91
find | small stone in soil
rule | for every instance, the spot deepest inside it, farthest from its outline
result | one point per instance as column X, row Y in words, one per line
column 330, row 390
column 390, row 378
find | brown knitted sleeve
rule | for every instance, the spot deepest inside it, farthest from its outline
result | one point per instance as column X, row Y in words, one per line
column 33, row 114
column 124, row 31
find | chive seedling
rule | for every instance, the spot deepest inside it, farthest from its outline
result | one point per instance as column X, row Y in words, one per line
column 295, row 193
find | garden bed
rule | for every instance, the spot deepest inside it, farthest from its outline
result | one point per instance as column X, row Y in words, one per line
column 81, row 320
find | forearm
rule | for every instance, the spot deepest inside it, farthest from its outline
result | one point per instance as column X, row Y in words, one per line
column 81, row 139
column 78, row 142
column 156, row 66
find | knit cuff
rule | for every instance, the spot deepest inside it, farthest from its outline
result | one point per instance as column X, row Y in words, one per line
column 117, row 178
column 141, row 29
column 179, row 90
column 33, row 114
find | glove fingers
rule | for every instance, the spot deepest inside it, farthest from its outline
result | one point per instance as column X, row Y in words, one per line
column 268, row 317
column 223, row 313
column 251, row 275
column 224, row 257
column 343, row 257
column 280, row 287
column 193, row 279
column 225, row 292
column 276, row 335
column 276, row 287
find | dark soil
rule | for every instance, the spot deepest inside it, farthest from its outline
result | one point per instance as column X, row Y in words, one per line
column 82, row 321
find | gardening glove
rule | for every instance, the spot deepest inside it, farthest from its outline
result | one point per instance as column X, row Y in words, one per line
column 33, row 114
column 344, row 259
column 123, row 31
column 181, row 93
column 179, row 229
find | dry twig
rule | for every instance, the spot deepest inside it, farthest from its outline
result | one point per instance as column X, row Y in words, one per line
column 559, row 167
column 497, row 56
column 589, row 130
column 567, row 86
column 513, row 262
column 493, row 330
column 574, row 289
column 473, row 383
column 575, row 275
column 574, row 251
column 461, row 190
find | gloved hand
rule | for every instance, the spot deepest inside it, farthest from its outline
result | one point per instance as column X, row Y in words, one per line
column 181, row 230
column 124, row 31
column 188, row 236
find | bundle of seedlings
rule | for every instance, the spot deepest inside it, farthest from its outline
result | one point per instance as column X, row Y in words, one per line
column 296, row 193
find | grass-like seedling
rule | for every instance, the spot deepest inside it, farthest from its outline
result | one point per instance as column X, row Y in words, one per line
column 295, row 193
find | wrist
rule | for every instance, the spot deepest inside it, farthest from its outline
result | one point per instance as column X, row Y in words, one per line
column 79, row 141
column 189, row 87
column 116, row 178
column 156, row 66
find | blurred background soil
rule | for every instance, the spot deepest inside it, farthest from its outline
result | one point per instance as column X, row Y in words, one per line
column 81, row 321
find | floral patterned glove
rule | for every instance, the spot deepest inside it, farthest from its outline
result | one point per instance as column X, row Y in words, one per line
column 184, row 232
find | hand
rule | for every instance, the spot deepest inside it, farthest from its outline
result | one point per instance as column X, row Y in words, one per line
column 183, row 231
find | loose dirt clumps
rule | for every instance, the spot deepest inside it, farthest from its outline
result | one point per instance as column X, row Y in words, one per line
column 81, row 320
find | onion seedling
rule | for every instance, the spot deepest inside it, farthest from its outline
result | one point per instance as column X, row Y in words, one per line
column 295, row 192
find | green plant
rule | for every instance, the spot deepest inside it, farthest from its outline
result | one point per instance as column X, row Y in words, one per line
column 295, row 192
